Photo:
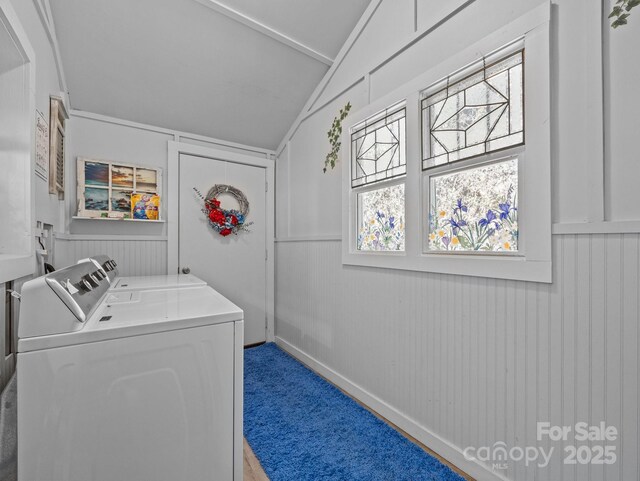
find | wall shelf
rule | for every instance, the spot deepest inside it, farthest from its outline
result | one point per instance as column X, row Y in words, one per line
column 149, row 221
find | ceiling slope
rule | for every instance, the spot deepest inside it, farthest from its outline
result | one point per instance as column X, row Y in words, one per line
column 181, row 65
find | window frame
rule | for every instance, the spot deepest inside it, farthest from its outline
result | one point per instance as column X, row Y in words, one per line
column 533, row 260
column 365, row 116
column 391, row 182
column 517, row 152
column 98, row 214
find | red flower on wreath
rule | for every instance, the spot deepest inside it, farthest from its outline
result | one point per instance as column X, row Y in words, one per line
column 212, row 204
column 217, row 216
column 225, row 221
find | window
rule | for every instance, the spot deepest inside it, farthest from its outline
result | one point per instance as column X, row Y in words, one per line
column 378, row 150
column 378, row 160
column 105, row 188
column 474, row 208
column 456, row 178
column 480, row 113
column 381, row 219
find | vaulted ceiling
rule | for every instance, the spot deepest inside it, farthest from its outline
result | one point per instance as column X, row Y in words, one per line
column 237, row 70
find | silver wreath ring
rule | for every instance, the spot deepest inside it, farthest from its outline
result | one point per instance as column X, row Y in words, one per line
column 237, row 194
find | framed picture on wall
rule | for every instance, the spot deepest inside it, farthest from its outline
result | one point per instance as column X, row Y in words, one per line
column 106, row 188
column 57, row 119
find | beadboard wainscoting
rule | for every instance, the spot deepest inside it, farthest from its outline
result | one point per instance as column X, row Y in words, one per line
column 464, row 361
column 135, row 257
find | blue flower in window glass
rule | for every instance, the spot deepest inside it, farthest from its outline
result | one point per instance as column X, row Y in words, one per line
column 381, row 219
column 475, row 209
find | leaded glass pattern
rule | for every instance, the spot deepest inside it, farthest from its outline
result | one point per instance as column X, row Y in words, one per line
column 475, row 209
column 378, row 149
column 481, row 113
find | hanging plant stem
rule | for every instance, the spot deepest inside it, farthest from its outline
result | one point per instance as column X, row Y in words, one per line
column 334, row 135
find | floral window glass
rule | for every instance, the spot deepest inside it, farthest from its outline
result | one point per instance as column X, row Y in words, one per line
column 481, row 113
column 381, row 219
column 475, row 209
column 378, row 148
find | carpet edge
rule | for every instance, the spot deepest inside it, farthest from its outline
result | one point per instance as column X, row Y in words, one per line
column 451, row 453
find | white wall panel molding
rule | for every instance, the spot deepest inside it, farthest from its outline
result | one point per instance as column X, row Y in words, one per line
column 135, row 257
column 445, row 449
column 594, row 97
column 266, row 30
column 475, row 361
column 608, row 227
column 316, row 238
column 580, row 228
column 114, row 237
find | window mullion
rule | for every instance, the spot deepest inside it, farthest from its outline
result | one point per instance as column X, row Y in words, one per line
column 412, row 186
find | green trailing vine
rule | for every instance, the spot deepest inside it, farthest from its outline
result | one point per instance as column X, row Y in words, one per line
column 334, row 135
column 621, row 11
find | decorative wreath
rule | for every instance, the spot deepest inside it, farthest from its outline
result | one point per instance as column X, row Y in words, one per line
column 225, row 221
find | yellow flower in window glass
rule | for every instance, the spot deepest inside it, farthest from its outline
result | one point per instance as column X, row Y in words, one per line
column 381, row 224
column 482, row 206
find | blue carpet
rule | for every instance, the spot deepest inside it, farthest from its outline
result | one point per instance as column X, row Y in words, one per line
column 302, row 428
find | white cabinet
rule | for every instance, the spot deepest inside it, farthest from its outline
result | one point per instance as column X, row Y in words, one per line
column 17, row 124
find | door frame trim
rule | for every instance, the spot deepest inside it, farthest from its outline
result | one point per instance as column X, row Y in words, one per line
column 175, row 149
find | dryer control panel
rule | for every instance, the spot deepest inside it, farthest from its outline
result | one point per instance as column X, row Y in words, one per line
column 61, row 301
column 106, row 264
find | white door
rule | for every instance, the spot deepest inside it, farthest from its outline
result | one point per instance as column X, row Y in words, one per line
column 235, row 265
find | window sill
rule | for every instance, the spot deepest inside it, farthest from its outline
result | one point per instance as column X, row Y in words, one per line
column 497, row 267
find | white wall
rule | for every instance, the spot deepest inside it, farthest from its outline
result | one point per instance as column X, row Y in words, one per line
column 103, row 138
column 140, row 248
column 461, row 361
column 47, row 83
column 622, row 77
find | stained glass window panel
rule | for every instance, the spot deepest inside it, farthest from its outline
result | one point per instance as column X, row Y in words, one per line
column 481, row 113
column 381, row 219
column 378, row 149
column 475, row 209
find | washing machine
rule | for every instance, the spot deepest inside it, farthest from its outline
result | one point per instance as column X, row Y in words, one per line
column 167, row 281
column 139, row 385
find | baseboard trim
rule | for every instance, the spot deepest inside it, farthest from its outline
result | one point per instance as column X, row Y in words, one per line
column 444, row 449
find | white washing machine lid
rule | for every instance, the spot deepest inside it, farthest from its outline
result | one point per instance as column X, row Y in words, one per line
column 157, row 282
column 135, row 313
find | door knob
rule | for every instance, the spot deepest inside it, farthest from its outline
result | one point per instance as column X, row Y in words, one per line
column 186, row 270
